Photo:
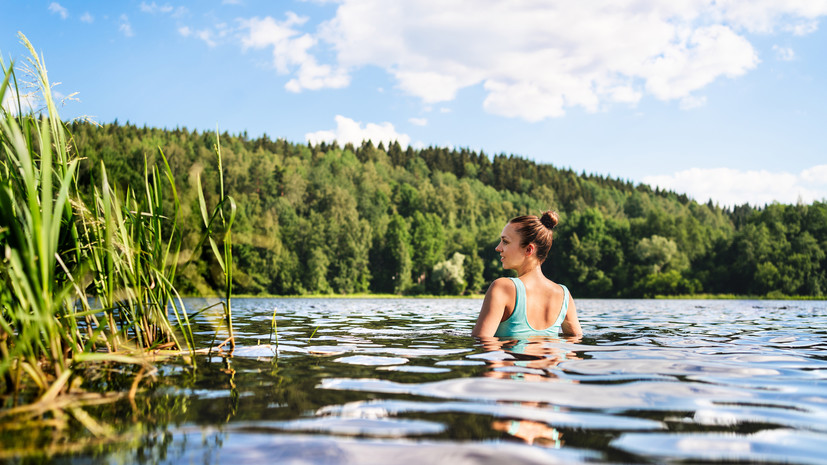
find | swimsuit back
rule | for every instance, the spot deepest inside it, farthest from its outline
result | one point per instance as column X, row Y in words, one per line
column 517, row 323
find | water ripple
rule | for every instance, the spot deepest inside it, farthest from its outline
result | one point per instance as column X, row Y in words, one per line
column 644, row 395
column 552, row 416
column 246, row 445
column 371, row 360
column 401, row 381
column 782, row 446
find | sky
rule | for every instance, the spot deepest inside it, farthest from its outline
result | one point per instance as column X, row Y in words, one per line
column 719, row 99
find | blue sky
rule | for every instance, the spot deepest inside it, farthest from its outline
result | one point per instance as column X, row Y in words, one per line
column 721, row 99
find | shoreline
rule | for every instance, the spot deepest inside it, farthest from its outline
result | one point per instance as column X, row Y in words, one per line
column 481, row 296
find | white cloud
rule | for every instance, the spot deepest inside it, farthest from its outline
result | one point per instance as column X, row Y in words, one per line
column 291, row 52
column 802, row 29
column 87, row 18
column 534, row 59
column 125, row 26
column 727, row 186
column 155, row 8
column 56, row 8
column 206, row 35
column 815, row 175
column 28, row 101
column 766, row 16
column 350, row 131
column 419, row 121
column 210, row 36
column 783, row 53
column 710, row 52
column 625, row 94
column 690, row 101
column 166, row 8
column 430, row 86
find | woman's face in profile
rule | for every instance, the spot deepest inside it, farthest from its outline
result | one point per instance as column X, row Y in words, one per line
column 511, row 254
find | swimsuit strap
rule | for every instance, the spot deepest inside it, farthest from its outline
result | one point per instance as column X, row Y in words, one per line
column 564, row 307
column 519, row 300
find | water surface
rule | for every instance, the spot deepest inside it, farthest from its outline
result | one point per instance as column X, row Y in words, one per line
column 401, row 381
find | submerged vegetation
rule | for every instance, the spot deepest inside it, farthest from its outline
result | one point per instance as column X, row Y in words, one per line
column 87, row 274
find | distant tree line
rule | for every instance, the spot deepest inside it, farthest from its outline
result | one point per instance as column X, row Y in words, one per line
column 330, row 219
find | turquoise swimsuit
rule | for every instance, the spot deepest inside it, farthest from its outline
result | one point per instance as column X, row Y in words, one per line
column 517, row 324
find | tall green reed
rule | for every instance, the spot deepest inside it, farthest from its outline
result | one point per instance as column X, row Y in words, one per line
column 37, row 176
column 218, row 221
column 84, row 282
column 132, row 263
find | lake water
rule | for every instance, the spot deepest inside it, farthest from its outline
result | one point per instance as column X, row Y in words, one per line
column 400, row 381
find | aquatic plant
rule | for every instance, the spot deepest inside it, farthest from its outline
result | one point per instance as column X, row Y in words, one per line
column 39, row 334
column 83, row 281
column 218, row 220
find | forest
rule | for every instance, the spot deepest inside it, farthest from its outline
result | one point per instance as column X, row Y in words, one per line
column 327, row 219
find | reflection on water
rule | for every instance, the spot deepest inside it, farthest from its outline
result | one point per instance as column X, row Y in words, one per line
column 400, row 381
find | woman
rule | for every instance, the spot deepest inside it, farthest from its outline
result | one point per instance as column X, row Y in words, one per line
column 531, row 304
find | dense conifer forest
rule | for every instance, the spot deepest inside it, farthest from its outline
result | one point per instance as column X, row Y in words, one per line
column 338, row 220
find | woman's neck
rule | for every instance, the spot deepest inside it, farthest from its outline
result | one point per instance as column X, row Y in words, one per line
column 529, row 269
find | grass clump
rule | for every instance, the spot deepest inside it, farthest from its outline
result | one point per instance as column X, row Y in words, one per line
column 83, row 282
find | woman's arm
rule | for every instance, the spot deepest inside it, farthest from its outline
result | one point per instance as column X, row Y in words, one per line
column 493, row 307
column 571, row 324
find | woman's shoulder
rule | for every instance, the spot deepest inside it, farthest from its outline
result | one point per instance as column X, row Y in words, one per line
column 502, row 285
column 565, row 291
column 554, row 288
column 562, row 287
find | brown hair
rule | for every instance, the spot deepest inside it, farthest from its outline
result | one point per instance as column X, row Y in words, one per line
column 537, row 231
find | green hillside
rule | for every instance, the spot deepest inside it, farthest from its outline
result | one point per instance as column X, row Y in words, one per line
column 329, row 219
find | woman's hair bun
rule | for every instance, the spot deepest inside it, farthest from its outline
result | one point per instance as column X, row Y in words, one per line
column 550, row 219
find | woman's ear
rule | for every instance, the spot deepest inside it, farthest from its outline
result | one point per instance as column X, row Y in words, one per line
column 530, row 249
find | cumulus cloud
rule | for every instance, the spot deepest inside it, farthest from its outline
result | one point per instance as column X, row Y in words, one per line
column 56, row 8
column 166, row 8
column 28, row 102
column 766, row 16
column 708, row 53
column 125, row 26
column 728, row 186
column 783, row 53
column 155, row 8
column 690, row 101
column 291, row 52
column 803, row 28
column 350, row 131
column 535, row 60
column 209, row 36
column 815, row 175
column 87, row 18
column 206, row 36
